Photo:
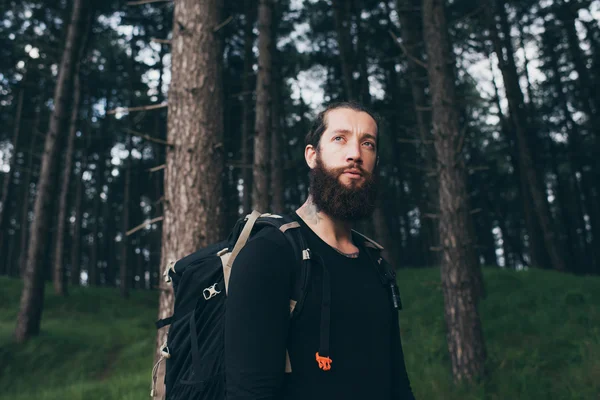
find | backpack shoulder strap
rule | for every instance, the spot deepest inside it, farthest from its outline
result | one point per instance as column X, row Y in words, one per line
column 386, row 272
column 290, row 228
column 368, row 242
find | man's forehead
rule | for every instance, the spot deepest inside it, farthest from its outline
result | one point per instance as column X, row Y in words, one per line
column 349, row 119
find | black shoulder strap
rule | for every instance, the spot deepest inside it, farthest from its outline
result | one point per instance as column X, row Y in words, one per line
column 386, row 272
column 290, row 228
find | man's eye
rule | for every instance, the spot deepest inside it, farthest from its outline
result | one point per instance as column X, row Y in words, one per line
column 370, row 144
column 337, row 138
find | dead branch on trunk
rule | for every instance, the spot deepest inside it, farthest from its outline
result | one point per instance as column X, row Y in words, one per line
column 149, row 138
column 139, row 2
column 161, row 41
column 143, row 225
column 405, row 50
column 222, row 24
column 141, row 108
column 158, row 168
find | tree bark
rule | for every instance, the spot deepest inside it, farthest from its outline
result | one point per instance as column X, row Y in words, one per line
column 59, row 275
column 412, row 38
column 277, row 133
column 194, row 166
column 584, row 198
column 26, row 194
column 32, row 298
column 262, row 125
column 361, row 55
column 6, row 184
column 108, row 241
column 342, row 27
column 78, row 205
column 459, row 260
column 247, row 126
column 124, row 267
column 516, row 105
column 94, row 272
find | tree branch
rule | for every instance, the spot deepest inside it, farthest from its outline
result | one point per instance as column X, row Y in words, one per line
column 399, row 43
column 141, row 108
column 222, row 24
column 143, row 225
column 139, row 2
column 158, row 168
column 150, row 138
column 161, row 41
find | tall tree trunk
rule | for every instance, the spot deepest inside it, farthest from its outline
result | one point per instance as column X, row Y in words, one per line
column 277, row 136
column 59, row 275
column 459, row 260
column 6, row 184
column 504, row 52
column 26, row 194
column 247, row 89
column 537, row 251
column 342, row 27
column 108, row 242
column 262, row 125
column 93, row 269
column 32, row 298
column 78, row 205
column 125, row 268
column 583, row 182
column 412, row 38
column 584, row 83
column 361, row 55
column 193, row 206
column 530, row 100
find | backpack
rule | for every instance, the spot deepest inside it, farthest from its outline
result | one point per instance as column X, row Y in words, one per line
column 194, row 349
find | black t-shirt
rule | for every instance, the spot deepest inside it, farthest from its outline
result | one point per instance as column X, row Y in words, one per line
column 364, row 343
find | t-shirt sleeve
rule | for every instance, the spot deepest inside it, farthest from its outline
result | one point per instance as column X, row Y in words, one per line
column 401, row 388
column 257, row 318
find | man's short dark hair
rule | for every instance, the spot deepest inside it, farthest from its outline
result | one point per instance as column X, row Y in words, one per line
column 319, row 125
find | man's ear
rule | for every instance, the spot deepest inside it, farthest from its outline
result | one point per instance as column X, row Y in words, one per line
column 310, row 155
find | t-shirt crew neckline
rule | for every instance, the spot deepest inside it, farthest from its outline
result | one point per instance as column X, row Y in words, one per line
column 324, row 244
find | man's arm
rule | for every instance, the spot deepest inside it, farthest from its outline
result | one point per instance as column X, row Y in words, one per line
column 257, row 318
column 401, row 384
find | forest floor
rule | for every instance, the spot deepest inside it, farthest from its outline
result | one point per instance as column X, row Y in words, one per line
column 542, row 333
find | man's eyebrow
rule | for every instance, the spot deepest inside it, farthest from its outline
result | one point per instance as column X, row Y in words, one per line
column 347, row 131
column 342, row 131
column 369, row 136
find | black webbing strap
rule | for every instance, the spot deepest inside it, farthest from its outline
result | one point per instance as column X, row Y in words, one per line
column 299, row 245
column 163, row 322
column 386, row 275
column 325, row 314
column 194, row 338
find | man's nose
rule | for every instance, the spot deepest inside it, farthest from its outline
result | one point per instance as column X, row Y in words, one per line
column 353, row 152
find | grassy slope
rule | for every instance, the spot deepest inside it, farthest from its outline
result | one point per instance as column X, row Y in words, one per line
column 542, row 332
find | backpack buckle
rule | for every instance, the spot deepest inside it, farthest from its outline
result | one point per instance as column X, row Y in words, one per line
column 170, row 266
column 306, row 254
column 210, row 292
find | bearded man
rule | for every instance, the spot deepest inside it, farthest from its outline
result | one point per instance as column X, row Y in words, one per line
column 365, row 359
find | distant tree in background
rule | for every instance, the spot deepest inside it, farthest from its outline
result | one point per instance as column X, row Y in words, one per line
column 32, row 298
column 460, row 270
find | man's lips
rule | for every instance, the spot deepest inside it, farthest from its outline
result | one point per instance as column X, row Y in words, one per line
column 356, row 173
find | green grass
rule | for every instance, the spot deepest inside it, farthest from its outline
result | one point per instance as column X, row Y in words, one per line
column 542, row 333
column 93, row 345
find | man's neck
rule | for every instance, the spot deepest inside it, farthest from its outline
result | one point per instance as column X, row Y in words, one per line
column 334, row 232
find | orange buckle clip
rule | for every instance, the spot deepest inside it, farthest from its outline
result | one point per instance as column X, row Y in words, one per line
column 324, row 362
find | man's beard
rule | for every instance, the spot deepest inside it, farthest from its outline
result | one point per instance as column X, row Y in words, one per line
column 351, row 202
